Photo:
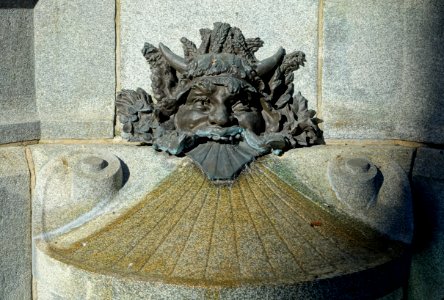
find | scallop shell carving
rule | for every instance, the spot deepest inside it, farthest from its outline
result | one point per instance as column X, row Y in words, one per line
column 258, row 230
column 222, row 161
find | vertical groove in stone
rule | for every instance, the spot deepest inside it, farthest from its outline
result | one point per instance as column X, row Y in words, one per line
column 320, row 58
column 117, row 58
column 349, row 243
column 212, row 236
column 253, row 258
column 193, row 261
column 164, row 258
column 195, row 217
column 222, row 259
column 258, row 229
column 303, row 249
column 151, row 232
column 236, row 245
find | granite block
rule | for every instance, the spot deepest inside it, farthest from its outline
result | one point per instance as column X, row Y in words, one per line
column 77, row 129
column 383, row 70
column 15, row 225
column 390, row 212
column 307, row 163
column 427, row 271
column 429, row 163
column 75, row 68
column 11, row 132
column 59, row 199
column 169, row 233
column 292, row 25
column 18, row 111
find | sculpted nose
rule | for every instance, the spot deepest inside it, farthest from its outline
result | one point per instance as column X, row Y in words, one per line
column 219, row 116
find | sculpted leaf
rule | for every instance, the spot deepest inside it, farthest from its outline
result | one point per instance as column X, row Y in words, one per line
column 219, row 104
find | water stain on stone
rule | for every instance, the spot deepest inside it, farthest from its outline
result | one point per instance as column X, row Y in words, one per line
column 256, row 230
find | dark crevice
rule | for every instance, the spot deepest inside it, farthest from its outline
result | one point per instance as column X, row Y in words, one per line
column 18, row 3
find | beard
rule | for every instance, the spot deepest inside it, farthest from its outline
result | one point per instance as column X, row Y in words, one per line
column 221, row 152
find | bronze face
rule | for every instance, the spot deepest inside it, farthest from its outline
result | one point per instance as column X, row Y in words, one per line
column 219, row 104
column 211, row 105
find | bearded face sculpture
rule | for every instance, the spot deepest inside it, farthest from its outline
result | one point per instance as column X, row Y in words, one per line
column 218, row 104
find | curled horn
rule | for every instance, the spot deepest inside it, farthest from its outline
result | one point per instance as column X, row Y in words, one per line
column 268, row 64
column 173, row 60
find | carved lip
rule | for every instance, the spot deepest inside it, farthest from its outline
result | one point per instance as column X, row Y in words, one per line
column 258, row 233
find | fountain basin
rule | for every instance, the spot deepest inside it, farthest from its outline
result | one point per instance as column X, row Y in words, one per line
column 183, row 236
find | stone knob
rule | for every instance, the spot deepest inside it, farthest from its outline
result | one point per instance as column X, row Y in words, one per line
column 358, row 165
column 96, row 176
column 93, row 164
column 355, row 181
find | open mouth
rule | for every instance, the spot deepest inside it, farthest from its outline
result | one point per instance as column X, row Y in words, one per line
column 231, row 134
column 221, row 152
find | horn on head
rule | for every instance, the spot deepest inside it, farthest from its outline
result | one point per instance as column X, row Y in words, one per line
column 174, row 60
column 268, row 64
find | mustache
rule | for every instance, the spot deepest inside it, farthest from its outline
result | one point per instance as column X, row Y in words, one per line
column 177, row 143
column 217, row 133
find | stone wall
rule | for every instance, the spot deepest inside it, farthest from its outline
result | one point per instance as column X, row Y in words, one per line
column 382, row 70
column 374, row 71
column 427, row 272
column 75, row 67
column 292, row 25
column 18, row 111
column 15, row 225
column 376, row 76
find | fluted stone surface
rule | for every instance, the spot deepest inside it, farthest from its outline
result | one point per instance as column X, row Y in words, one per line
column 186, row 236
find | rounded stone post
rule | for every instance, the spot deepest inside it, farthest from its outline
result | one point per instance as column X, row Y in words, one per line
column 95, row 177
column 355, row 181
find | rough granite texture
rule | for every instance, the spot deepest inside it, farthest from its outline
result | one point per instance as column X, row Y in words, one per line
column 80, row 284
column 75, row 68
column 18, row 111
column 307, row 172
column 55, row 163
column 380, row 197
column 292, row 25
column 18, row 131
column 306, row 164
column 15, row 224
column 383, row 70
column 427, row 271
column 185, row 237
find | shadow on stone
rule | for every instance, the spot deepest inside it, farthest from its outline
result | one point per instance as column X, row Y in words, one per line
column 426, row 208
column 432, row 39
column 18, row 3
column 125, row 172
column 379, row 180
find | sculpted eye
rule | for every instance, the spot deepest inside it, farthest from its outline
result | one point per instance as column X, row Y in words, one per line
column 240, row 107
column 201, row 103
